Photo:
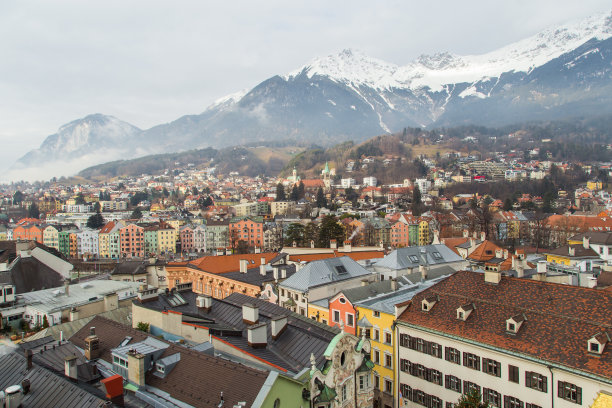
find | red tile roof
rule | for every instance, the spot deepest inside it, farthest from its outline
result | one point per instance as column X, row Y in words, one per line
column 560, row 319
column 226, row 263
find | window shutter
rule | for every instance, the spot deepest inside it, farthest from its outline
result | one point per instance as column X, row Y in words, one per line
column 446, row 354
column 560, row 389
column 579, row 395
column 506, row 401
column 498, row 366
column 446, row 382
column 465, row 359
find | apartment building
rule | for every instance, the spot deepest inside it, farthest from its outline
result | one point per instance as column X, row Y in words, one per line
column 521, row 343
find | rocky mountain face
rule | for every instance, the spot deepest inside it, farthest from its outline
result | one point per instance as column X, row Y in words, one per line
column 563, row 71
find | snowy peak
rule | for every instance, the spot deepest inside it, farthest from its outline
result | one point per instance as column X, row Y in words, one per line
column 435, row 71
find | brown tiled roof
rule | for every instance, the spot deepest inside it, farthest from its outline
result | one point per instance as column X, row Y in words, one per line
column 579, row 251
column 484, row 252
column 198, row 379
column 226, row 263
column 355, row 256
column 560, row 319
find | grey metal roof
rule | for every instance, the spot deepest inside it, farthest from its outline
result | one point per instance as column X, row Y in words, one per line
column 323, row 272
column 386, row 302
column 47, row 389
column 413, row 256
column 147, row 346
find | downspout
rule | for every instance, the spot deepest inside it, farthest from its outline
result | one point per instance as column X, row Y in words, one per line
column 552, row 387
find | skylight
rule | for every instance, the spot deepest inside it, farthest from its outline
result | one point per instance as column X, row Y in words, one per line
column 341, row 269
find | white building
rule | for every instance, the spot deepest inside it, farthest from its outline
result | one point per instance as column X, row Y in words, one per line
column 521, row 343
column 369, row 181
column 87, row 242
column 348, row 182
column 423, row 184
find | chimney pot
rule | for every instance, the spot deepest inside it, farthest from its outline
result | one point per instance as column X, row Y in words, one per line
column 244, row 265
column 28, row 354
column 25, row 385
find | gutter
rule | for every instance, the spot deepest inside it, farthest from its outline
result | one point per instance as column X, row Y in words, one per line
column 512, row 353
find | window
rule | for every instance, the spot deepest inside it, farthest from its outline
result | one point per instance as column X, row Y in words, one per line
column 536, row 381
column 344, row 393
column 453, row 355
column 375, row 334
column 388, row 386
column 336, row 316
column 350, row 320
column 532, row 406
column 364, row 382
column 469, row 386
column 376, row 314
column 491, row 396
column 376, row 381
column 387, row 337
column 376, row 356
column 512, row 402
column 513, row 373
column 471, row 361
column 594, row 347
column 452, row 383
column 388, row 360
column 405, row 365
column 491, row 367
column 569, row 392
column 405, row 391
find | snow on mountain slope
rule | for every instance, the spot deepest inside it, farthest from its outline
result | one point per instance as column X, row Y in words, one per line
column 435, row 71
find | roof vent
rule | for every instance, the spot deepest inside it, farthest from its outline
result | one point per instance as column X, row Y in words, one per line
column 428, row 303
column 597, row 343
column 204, row 302
column 514, row 323
column 463, row 312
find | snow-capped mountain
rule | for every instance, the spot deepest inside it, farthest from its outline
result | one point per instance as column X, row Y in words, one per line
column 562, row 71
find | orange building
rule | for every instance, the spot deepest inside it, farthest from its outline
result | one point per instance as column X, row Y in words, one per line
column 248, row 230
column 131, row 241
column 214, row 275
column 28, row 232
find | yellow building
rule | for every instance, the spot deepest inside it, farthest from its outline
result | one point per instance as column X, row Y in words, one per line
column 176, row 225
column 376, row 317
column 167, row 236
column 424, row 233
column 594, row 185
column 571, row 255
column 51, row 237
column 319, row 310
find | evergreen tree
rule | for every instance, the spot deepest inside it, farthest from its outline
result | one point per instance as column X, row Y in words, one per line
column 80, row 199
column 295, row 194
column 165, row 192
column 508, row 204
column 280, row 192
column 95, row 221
column 330, row 229
column 295, row 233
column 45, row 322
column 17, row 197
column 417, row 205
column 33, row 211
column 136, row 214
column 301, row 190
column 321, row 201
column 194, row 191
column 471, row 399
column 96, row 207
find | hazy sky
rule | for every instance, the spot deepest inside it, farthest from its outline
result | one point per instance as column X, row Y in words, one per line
column 150, row 62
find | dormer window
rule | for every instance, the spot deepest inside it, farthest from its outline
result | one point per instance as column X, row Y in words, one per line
column 463, row 312
column 597, row 343
column 514, row 323
column 428, row 303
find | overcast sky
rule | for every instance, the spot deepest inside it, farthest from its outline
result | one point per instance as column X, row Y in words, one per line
column 150, row 62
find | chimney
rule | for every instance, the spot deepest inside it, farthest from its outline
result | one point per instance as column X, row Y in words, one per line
column 136, row 368
column 312, row 244
column 520, row 270
column 499, row 253
column 505, row 254
column 333, row 244
column 28, row 354
column 347, row 246
column 394, row 283
column 262, row 260
column 466, row 233
column 541, row 267
column 278, row 326
column 74, row 314
column 111, row 301
column 243, row 265
column 70, row 367
column 114, row 389
column 250, row 313
column 275, row 273
column 294, row 244
column 92, row 345
column 436, row 237
column 423, row 270
column 257, row 335
column 365, row 282
column 572, row 250
column 257, row 250
column 25, row 385
column 145, row 294
column 483, row 236
column 204, row 302
column 283, row 273
column 472, row 243
column 586, row 242
column 262, row 270
column 220, row 252
column 67, row 288
column 493, row 277
column 474, row 234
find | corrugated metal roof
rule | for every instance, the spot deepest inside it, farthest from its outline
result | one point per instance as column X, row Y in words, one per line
column 412, row 257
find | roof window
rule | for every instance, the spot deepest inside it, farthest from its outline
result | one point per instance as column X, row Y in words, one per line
column 514, row 323
column 463, row 312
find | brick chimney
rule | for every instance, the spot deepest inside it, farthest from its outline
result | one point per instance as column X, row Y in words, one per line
column 257, row 335
column 244, row 265
column 92, row 345
column 250, row 313
column 278, row 326
column 136, row 368
column 70, row 367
